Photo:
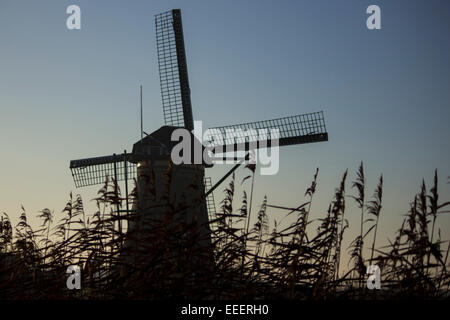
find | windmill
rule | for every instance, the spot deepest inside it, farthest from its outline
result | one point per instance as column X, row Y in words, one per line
column 152, row 153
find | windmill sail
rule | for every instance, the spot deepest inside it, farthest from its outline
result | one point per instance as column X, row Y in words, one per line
column 299, row 129
column 92, row 171
column 173, row 75
column 210, row 203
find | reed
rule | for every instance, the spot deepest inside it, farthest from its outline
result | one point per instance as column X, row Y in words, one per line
column 293, row 261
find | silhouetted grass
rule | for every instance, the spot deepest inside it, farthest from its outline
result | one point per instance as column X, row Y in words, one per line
column 162, row 258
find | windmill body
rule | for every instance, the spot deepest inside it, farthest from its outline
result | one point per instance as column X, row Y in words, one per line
column 164, row 188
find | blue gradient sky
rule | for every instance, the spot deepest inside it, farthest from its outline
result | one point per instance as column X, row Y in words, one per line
column 385, row 94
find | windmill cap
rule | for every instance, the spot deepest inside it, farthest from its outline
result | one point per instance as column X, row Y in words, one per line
column 159, row 144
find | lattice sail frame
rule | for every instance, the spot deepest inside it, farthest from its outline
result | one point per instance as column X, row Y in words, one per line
column 173, row 75
column 299, row 129
column 92, row 171
column 210, row 203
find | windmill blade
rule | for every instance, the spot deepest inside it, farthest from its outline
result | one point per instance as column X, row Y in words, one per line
column 173, row 75
column 210, row 203
column 92, row 171
column 299, row 129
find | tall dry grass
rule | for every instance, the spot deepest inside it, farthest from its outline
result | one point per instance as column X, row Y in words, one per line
column 162, row 258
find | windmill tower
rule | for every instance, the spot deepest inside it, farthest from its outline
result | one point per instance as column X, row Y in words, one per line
column 151, row 155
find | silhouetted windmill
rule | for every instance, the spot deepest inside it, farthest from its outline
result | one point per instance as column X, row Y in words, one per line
column 153, row 152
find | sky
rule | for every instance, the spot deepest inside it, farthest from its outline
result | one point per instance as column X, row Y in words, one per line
column 70, row 94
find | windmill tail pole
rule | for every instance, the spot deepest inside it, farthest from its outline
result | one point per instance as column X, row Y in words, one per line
column 247, row 156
